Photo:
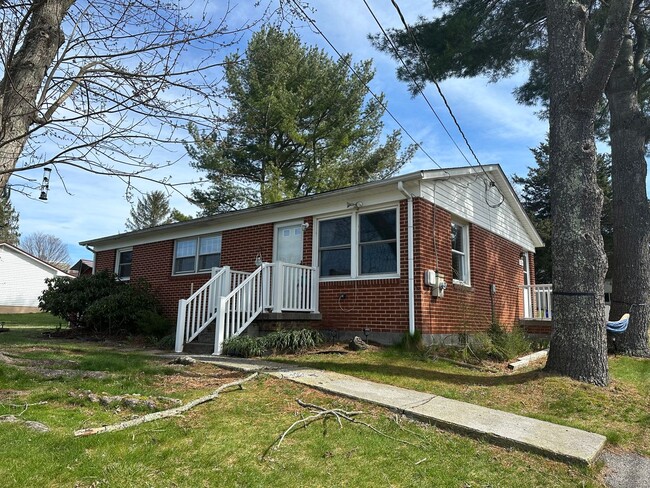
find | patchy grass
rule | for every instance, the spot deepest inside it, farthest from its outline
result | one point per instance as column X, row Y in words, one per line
column 621, row 411
column 220, row 443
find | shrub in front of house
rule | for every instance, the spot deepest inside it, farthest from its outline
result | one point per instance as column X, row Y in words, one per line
column 105, row 305
column 69, row 298
column 286, row 341
column 244, row 346
column 292, row 341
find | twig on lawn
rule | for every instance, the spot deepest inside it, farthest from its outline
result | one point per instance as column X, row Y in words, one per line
column 24, row 406
column 163, row 413
column 318, row 413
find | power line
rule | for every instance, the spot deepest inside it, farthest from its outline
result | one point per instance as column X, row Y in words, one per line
column 417, row 84
column 435, row 82
column 354, row 71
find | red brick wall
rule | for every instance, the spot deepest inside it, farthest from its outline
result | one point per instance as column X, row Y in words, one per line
column 492, row 260
column 380, row 304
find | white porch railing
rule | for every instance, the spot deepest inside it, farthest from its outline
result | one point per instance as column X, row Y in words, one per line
column 235, row 298
column 537, row 302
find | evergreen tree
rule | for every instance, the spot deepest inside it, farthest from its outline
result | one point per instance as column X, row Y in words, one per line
column 151, row 210
column 298, row 124
column 535, row 195
column 8, row 222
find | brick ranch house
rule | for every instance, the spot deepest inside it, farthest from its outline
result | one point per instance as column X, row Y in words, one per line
column 442, row 252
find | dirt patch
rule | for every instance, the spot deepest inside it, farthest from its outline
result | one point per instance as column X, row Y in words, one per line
column 199, row 376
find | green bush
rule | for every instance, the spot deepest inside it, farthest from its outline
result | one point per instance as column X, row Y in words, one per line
column 69, row 298
column 244, row 346
column 292, row 341
column 508, row 345
column 127, row 309
column 103, row 303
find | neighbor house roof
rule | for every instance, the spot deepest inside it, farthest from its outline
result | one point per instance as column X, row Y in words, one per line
column 30, row 257
column 493, row 172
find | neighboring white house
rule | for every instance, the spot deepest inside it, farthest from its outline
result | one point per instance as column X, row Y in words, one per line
column 22, row 279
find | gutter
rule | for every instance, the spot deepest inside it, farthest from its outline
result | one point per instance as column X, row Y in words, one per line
column 411, row 264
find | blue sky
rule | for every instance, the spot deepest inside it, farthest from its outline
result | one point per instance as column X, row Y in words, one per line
column 500, row 130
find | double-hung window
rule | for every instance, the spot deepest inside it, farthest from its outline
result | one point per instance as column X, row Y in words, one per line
column 123, row 260
column 460, row 253
column 378, row 242
column 335, row 246
column 358, row 245
column 197, row 254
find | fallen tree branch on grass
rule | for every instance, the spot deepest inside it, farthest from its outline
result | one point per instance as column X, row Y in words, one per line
column 172, row 412
column 319, row 413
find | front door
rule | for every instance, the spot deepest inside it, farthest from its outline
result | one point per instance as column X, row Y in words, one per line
column 288, row 244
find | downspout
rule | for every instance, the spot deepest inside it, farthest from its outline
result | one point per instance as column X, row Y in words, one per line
column 411, row 264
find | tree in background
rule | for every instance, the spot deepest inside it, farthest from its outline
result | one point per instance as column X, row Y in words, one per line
column 535, row 195
column 48, row 248
column 8, row 223
column 96, row 85
column 151, row 210
column 298, row 124
column 472, row 37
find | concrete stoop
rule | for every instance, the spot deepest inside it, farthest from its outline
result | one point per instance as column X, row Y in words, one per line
column 502, row 428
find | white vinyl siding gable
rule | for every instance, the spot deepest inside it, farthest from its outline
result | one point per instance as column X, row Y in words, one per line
column 22, row 279
column 467, row 198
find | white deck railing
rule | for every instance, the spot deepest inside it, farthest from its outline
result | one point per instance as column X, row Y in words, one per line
column 235, row 298
column 537, row 302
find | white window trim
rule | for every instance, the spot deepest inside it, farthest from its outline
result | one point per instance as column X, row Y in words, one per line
column 118, row 253
column 355, row 263
column 466, row 245
column 196, row 255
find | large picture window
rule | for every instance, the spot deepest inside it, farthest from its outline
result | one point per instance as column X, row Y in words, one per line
column 460, row 253
column 123, row 261
column 358, row 245
column 197, row 254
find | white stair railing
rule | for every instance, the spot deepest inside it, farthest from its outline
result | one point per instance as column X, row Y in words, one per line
column 297, row 287
column 241, row 306
column 538, row 301
column 201, row 308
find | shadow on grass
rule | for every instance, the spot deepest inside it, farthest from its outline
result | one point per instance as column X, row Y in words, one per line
column 383, row 370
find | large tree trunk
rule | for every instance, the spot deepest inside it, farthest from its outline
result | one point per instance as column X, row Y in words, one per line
column 631, row 212
column 23, row 78
column 577, row 80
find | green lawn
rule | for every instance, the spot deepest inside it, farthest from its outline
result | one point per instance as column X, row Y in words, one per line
column 221, row 443
column 621, row 411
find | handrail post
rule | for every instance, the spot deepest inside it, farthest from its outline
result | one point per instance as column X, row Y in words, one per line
column 226, row 282
column 315, row 277
column 278, row 286
column 219, row 329
column 180, row 326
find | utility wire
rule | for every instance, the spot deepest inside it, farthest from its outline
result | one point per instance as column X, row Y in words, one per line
column 354, row 71
column 417, row 84
column 435, row 82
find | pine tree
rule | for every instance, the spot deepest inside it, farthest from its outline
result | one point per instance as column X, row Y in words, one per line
column 299, row 124
column 151, row 210
column 8, row 223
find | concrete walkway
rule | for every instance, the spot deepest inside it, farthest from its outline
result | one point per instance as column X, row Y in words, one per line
column 502, row 428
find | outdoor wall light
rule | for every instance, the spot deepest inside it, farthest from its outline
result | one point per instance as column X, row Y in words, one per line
column 304, row 226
